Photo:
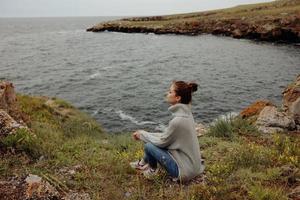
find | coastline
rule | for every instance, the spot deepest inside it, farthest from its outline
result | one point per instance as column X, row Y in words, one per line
column 277, row 21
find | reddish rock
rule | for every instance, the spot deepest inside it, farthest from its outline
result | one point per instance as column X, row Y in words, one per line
column 9, row 103
column 8, row 99
column 255, row 108
column 291, row 100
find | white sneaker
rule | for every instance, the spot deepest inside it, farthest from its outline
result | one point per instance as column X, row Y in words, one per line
column 140, row 164
column 150, row 173
column 174, row 179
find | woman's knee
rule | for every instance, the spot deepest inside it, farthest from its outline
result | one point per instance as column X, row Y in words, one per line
column 148, row 147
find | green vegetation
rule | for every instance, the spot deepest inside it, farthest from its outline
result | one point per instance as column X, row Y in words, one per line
column 230, row 127
column 241, row 163
column 254, row 11
column 272, row 21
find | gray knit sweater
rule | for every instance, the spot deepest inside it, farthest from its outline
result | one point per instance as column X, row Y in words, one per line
column 180, row 139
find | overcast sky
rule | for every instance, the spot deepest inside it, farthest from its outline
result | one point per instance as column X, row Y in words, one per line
column 48, row 8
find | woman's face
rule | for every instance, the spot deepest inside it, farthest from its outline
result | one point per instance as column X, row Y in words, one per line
column 171, row 97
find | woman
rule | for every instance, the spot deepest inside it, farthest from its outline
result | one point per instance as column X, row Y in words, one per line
column 177, row 148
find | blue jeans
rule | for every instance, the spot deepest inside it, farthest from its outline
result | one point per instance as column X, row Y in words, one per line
column 154, row 155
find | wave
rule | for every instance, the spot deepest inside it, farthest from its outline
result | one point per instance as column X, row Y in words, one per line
column 95, row 75
column 125, row 116
column 95, row 112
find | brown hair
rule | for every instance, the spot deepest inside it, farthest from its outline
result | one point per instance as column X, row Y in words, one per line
column 185, row 90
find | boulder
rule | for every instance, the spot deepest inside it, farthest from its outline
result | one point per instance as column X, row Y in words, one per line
column 271, row 120
column 64, row 111
column 255, row 108
column 7, row 124
column 200, row 129
column 291, row 100
column 7, row 95
column 37, row 188
column 9, row 103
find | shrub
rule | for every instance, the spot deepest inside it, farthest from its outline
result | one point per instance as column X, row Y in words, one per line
column 222, row 127
column 21, row 141
column 229, row 127
column 244, row 127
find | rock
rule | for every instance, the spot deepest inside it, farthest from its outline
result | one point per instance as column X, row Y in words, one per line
column 237, row 33
column 39, row 188
column 201, row 129
column 58, row 109
column 291, row 100
column 7, row 95
column 8, row 102
column 7, row 124
column 255, row 108
column 271, row 120
column 127, row 194
column 70, row 171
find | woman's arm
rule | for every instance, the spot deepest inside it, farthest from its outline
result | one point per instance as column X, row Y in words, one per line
column 163, row 139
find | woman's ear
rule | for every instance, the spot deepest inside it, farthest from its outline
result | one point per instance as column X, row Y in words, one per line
column 178, row 98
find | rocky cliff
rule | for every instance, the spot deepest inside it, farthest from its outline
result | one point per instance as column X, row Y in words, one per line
column 275, row 21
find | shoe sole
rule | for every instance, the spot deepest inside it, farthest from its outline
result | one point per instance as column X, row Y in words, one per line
column 139, row 167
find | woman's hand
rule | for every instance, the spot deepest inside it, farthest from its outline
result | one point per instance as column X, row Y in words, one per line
column 136, row 135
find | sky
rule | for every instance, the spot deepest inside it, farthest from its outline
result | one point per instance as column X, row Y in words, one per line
column 56, row 8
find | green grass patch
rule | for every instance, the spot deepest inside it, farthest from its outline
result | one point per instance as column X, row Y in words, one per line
column 258, row 192
column 21, row 141
column 230, row 127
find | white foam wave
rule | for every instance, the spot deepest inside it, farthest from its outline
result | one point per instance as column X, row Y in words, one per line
column 125, row 116
column 95, row 75
column 95, row 112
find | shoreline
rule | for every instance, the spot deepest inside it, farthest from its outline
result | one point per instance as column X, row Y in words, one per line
column 277, row 21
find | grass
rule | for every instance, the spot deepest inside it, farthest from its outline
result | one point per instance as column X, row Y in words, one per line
column 251, row 13
column 230, row 127
column 241, row 163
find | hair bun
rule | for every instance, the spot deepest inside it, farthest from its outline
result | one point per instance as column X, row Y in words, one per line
column 193, row 86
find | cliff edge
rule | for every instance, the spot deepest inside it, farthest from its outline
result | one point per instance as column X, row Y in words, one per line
column 275, row 21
